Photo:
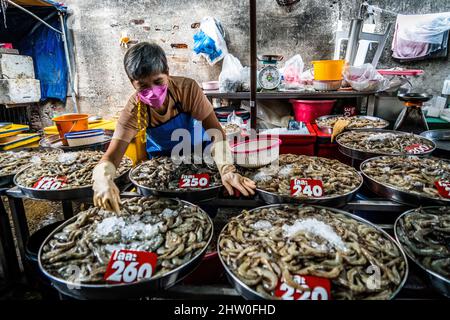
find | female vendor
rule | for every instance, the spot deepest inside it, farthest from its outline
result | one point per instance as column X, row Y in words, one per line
column 162, row 103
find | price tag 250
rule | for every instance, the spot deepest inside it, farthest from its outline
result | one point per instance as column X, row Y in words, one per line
column 443, row 187
column 306, row 187
column 199, row 180
column 315, row 289
column 417, row 148
column 50, row 183
column 127, row 266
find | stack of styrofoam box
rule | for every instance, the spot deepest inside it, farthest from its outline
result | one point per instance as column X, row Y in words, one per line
column 17, row 80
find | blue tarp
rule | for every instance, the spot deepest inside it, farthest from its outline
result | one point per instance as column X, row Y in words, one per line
column 46, row 48
column 44, row 45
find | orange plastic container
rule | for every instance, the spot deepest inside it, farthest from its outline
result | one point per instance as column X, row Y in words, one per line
column 70, row 123
column 326, row 70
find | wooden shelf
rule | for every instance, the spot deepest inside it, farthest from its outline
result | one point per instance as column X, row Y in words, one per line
column 289, row 95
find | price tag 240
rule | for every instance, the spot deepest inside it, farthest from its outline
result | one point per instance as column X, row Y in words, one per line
column 417, row 148
column 127, row 266
column 50, row 183
column 199, row 180
column 306, row 187
column 443, row 187
column 315, row 289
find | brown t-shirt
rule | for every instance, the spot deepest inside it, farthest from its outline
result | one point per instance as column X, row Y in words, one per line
column 184, row 90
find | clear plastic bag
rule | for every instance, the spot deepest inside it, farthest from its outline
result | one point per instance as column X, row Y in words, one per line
column 427, row 28
column 292, row 72
column 209, row 42
column 365, row 78
column 230, row 78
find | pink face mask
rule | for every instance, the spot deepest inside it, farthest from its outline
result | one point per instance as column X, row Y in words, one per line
column 154, row 96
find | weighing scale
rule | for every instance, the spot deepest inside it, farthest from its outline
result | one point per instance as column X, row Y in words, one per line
column 269, row 77
column 412, row 119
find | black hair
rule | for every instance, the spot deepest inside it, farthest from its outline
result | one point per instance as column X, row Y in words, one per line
column 143, row 59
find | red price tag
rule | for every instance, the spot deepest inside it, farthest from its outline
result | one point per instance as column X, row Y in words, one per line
column 349, row 111
column 127, row 266
column 50, row 183
column 306, row 187
column 198, row 180
column 417, row 148
column 443, row 187
column 319, row 289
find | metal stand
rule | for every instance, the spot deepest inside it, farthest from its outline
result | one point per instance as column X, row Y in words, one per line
column 8, row 257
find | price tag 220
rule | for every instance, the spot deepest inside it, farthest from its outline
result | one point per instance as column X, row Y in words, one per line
column 315, row 289
column 199, row 180
column 127, row 266
column 50, row 183
column 417, row 148
column 443, row 187
column 306, row 187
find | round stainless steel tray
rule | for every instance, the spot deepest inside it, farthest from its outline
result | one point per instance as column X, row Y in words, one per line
column 84, row 192
column 401, row 196
column 250, row 294
column 332, row 201
column 54, row 141
column 124, row 290
column 329, row 129
column 188, row 195
column 441, row 137
column 364, row 155
column 439, row 282
column 7, row 180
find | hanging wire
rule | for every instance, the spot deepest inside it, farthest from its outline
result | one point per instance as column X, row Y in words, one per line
column 3, row 7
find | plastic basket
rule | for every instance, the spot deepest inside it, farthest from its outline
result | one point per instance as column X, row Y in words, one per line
column 256, row 153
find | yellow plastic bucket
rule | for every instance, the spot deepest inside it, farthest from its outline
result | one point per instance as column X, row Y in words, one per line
column 327, row 70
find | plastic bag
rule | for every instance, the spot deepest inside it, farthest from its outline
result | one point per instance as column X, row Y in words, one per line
column 428, row 28
column 230, row 78
column 209, row 42
column 307, row 77
column 292, row 72
column 365, row 78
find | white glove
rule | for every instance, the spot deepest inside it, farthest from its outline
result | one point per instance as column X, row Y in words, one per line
column 106, row 193
column 230, row 179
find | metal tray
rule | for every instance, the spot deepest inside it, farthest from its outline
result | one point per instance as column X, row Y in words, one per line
column 66, row 194
column 364, row 155
column 403, row 197
column 55, row 141
column 437, row 281
column 250, row 294
column 125, row 290
column 188, row 195
column 8, row 180
column 441, row 137
column 329, row 130
column 332, row 201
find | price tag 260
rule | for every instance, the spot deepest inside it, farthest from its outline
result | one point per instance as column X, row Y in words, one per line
column 443, row 187
column 127, row 266
column 50, row 183
column 306, row 187
column 315, row 289
column 199, row 180
column 417, row 148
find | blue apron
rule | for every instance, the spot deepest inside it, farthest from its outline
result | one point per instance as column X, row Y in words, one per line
column 159, row 142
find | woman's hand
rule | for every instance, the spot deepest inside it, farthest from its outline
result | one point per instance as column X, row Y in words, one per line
column 106, row 193
column 230, row 178
column 234, row 180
